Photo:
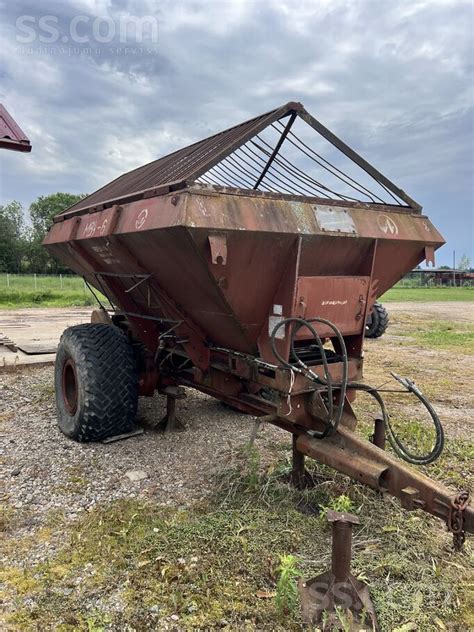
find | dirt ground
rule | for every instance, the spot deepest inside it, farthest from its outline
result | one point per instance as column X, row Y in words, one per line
column 36, row 330
column 39, row 462
column 442, row 368
column 45, row 473
column 461, row 311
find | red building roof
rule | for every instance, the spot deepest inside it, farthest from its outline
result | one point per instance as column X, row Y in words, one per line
column 11, row 135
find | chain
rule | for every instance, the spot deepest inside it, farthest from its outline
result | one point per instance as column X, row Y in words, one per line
column 456, row 519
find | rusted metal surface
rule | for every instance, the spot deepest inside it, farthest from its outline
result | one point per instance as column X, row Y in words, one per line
column 11, row 135
column 268, row 247
column 359, row 459
column 199, row 162
column 337, row 589
column 457, row 518
column 69, row 386
column 200, row 278
column 170, row 422
column 378, row 438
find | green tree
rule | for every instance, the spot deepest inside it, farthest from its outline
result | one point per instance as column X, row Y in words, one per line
column 46, row 207
column 42, row 212
column 13, row 237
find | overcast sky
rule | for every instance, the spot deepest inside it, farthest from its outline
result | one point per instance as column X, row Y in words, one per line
column 393, row 79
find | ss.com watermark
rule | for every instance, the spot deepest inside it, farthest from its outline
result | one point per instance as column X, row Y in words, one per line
column 82, row 33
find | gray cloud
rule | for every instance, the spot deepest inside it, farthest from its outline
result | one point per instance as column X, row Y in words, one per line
column 393, row 79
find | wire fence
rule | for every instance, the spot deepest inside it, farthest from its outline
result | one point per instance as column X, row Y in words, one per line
column 43, row 283
column 72, row 283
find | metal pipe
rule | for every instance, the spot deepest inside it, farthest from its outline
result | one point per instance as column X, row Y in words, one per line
column 341, row 550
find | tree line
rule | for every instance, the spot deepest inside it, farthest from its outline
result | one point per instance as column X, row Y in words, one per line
column 20, row 240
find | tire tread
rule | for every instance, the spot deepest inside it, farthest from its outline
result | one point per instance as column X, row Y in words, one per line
column 106, row 371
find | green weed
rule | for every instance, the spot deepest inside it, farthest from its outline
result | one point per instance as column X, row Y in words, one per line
column 286, row 598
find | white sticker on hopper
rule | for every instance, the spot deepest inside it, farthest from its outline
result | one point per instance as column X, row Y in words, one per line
column 272, row 323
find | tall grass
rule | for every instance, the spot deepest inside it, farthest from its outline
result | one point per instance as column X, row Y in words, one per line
column 28, row 290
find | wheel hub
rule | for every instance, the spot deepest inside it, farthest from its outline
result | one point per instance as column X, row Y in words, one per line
column 69, row 386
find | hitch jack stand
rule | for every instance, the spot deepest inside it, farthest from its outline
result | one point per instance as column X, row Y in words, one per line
column 170, row 423
column 378, row 438
column 298, row 472
column 325, row 597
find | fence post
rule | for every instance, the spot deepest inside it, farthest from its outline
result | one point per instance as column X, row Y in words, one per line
column 8, row 280
column 36, row 285
column 61, row 281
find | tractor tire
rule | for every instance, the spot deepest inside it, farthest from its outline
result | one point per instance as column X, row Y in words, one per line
column 96, row 382
column 378, row 322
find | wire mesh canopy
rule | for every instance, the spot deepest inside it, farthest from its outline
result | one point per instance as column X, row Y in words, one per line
column 286, row 151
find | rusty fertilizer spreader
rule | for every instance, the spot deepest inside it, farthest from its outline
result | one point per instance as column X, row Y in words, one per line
column 232, row 269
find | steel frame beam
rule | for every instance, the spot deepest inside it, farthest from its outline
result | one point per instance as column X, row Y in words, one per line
column 344, row 451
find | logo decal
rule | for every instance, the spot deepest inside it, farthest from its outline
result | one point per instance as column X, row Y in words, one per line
column 387, row 225
column 141, row 218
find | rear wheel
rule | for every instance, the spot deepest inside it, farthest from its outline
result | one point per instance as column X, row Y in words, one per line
column 378, row 321
column 96, row 382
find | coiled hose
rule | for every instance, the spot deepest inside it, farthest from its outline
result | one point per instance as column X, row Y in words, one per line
column 333, row 418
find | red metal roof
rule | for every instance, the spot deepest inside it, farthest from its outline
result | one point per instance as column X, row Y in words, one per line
column 11, row 135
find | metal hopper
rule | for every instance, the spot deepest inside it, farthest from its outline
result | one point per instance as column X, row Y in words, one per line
column 245, row 266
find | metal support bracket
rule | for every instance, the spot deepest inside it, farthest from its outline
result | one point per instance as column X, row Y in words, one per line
column 218, row 244
column 337, row 589
column 170, row 422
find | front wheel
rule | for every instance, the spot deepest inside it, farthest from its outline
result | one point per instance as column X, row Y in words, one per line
column 96, row 382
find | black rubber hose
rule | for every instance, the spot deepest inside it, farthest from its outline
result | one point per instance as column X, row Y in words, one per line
column 332, row 422
column 397, row 445
column 345, row 367
column 328, row 421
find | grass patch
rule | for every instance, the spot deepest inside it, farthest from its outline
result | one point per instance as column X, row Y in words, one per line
column 442, row 334
column 232, row 561
column 428, row 294
column 23, row 290
column 437, row 334
column 14, row 299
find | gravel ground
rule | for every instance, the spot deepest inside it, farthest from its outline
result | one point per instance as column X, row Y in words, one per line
column 45, row 471
column 45, row 474
column 457, row 311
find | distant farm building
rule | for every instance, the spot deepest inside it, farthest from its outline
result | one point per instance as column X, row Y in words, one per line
column 441, row 277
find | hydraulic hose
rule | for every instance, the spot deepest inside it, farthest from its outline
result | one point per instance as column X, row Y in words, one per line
column 332, row 419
